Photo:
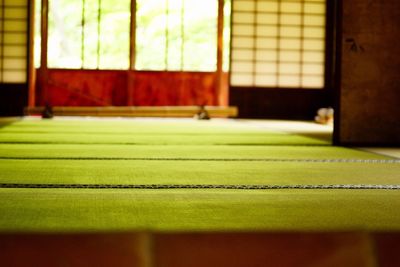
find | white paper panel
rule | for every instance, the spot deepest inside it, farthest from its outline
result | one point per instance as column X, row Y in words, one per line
column 238, row 66
column 15, row 38
column 15, row 13
column 310, row 44
column 242, row 42
column 289, row 81
column 265, row 80
column 268, row 6
column 289, row 56
column 14, row 63
column 243, row 30
column 241, row 79
column 267, row 55
column 269, row 18
column 267, row 31
column 14, row 76
column 314, row 32
column 243, row 18
column 15, row 25
column 291, row 7
column 314, row 8
column 317, row 69
column 242, row 55
column 313, row 81
column 290, row 19
column 286, row 31
column 289, row 43
column 314, row 20
column 239, row 5
column 13, row 41
column 16, row 2
column 313, row 57
column 269, row 68
column 289, row 68
column 266, row 43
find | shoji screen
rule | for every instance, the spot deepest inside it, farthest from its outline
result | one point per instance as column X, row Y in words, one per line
column 278, row 43
column 13, row 41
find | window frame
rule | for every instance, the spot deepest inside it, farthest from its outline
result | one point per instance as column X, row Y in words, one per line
column 132, row 42
column 328, row 57
column 23, row 45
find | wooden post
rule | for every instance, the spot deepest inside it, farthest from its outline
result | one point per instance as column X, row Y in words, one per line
column 221, row 91
column 130, row 85
column 43, row 77
column 31, row 56
column 44, row 33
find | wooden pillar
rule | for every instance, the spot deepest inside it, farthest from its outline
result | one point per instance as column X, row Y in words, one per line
column 44, row 33
column 221, row 89
column 31, row 58
column 43, row 77
column 130, row 84
column 369, row 97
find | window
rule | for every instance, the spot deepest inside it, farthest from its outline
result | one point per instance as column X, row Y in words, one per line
column 13, row 41
column 38, row 36
column 176, row 35
column 227, row 34
column 90, row 34
column 170, row 35
column 278, row 43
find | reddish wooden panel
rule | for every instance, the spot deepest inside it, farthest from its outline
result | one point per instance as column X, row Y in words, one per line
column 175, row 88
column 127, row 88
column 84, row 88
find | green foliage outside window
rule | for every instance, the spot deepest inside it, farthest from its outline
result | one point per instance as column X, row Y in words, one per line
column 176, row 35
column 64, row 45
column 81, row 37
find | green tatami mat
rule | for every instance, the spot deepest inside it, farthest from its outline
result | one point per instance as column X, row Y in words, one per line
column 187, row 152
column 62, row 210
column 178, row 151
column 6, row 121
column 139, row 126
column 147, row 132
column 161, row 139
column 195, row 172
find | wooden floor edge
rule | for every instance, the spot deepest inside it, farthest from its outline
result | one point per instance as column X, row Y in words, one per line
column 145, row 249
column 139, row 111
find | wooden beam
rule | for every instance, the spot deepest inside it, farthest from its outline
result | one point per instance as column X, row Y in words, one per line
column 139, row 111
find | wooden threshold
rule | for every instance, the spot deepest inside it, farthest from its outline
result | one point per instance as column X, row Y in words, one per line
column 138, row 111
column 318, row 249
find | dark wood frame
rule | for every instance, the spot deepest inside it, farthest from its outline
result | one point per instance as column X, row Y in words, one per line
column 337, row 68
column 201, row 248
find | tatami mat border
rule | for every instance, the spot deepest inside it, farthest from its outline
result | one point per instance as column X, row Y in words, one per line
column 197, row 186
